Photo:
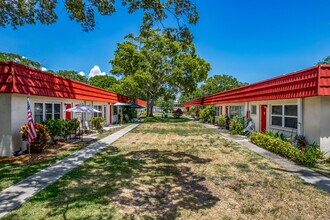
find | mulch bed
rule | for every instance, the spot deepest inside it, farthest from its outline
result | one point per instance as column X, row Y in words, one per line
column 50, row 151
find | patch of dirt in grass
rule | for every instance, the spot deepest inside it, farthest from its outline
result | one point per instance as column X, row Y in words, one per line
column 50, row 151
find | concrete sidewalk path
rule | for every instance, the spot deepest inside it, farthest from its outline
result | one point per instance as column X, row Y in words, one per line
column 19, row 193
column 308, row 175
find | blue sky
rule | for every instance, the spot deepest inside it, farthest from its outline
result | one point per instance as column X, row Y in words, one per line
column 251, row 40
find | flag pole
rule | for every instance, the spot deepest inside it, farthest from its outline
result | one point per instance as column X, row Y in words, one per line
column 28, row 122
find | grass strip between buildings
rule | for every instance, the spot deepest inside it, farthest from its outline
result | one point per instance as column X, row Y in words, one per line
column 176, row 170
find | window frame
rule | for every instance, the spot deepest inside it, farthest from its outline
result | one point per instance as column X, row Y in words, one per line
column 240, row 111
column 99, row 108
column 44, row 114
column 283, row 116
column 253, row 107
column 217, row 111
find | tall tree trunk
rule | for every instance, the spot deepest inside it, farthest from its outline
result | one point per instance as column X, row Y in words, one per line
column 148, row 104
column 151, row 106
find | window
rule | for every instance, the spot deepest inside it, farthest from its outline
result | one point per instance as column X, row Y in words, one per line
column 285, row 116
column 57, row 111
column 46, row 111
column 236, row 110
column 217, row 111
column 253, row 110
column 38, row 112
column 49, row 111
column 99, row 108
column 115, row 110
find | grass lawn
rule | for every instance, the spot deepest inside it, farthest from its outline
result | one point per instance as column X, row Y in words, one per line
column 323, row 168
column 176, row 170
column 14, row 169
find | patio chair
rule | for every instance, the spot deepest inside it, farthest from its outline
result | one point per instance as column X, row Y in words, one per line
column 249, row 128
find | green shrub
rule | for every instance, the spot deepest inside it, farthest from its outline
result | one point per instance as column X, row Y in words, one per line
column 222, row 121
column 70, row 126
column 207, row 114
column 192, row 110
column 237, row 125
column 277, row 135
column 286, row 149
column 55, row 127
column 143, row 112
column 98, row 123
column 39, row 143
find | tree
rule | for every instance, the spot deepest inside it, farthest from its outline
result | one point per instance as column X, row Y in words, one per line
column 18, row 12
column 12, row 57
column 325, row 60
column 71, row 74
column 105, row 82
column 220, row 83
column 166, row 103
column 157, row 63
column 185, row 97
column 214, row 84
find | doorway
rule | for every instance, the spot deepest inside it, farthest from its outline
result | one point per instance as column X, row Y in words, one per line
column 263, row 118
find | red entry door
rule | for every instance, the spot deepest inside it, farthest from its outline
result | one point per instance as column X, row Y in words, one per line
column 67, row 114
column 263, row 118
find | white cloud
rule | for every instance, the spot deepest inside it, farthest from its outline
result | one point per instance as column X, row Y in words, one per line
column 81, row 73
column 43, row 69
column 96, row 71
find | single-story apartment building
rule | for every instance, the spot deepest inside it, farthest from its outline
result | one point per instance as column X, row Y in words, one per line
column 294, row 103
column 50, row 96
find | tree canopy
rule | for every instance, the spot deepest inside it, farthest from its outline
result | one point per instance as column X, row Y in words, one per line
column 71, row 74
column 325, row 60
column 105, row 82
column 12, row 57
column 18, row 13
column 214, row 84
column 165, row 103
column 156, row 62
column 220, row 83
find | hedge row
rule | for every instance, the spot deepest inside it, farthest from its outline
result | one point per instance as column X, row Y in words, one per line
column 286, row 149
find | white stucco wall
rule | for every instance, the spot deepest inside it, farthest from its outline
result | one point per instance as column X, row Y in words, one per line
column 325, row 125
column 312, row 118
column 6, row 145
column 316, row 118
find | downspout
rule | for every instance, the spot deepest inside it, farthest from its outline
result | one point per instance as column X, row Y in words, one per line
column 300, row 116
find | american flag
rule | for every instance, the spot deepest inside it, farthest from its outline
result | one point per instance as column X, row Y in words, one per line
column 31, row 129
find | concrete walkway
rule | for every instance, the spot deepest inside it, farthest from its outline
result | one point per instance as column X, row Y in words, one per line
column 19, row 193
column 308, row 175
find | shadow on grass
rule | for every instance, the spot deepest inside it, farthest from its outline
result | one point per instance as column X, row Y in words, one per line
column 151, row 183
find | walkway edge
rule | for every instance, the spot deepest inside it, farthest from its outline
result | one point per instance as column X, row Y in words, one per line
column 308, row 175
column 17, row 194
